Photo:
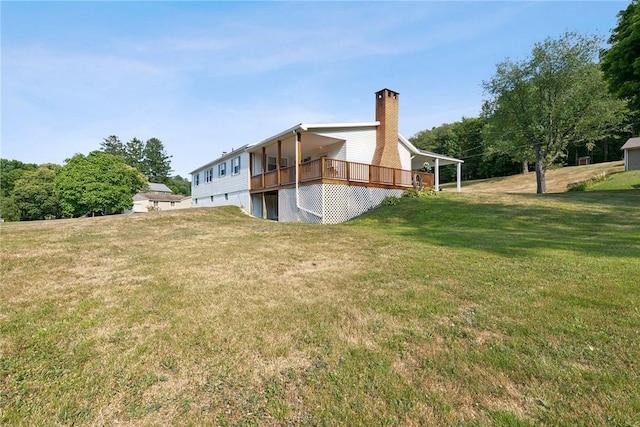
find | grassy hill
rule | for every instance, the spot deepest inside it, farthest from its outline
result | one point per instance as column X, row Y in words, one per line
column 557, row 180
column 458, row 309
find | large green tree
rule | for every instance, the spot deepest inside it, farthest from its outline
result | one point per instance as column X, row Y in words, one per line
column 179, row 185
column 34, row 194
column 10, row 172
column 553, row 98
column 97, row 183
column 621, row 62
column 113, row 145
column 157, row 163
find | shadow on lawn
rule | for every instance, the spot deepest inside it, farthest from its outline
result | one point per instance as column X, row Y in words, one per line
column 595, row 224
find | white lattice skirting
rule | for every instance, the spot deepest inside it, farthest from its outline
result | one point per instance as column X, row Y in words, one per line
column 329, row 203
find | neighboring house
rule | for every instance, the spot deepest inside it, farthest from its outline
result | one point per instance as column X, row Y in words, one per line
column 159, row 197
column 157, row 188
column 632, row 154
column 321, row 173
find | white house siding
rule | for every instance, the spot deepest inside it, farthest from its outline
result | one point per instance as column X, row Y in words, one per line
column 632, row 159
column 360, row 143
column 405, row 157
column 226, row 190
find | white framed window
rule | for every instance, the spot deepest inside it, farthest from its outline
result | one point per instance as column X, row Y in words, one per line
column 173, row 203
column 222, row 169
column 208, row 175
column 272, row 164
column 196, row 179
column 235, row 165
column 211, row 198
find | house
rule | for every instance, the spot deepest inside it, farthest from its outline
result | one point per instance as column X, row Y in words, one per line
column 157, row 188
column 321, row 173
column 632, row 154
column 159, row 197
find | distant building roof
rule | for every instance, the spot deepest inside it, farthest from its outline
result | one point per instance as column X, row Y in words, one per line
column 159, row 197
column 631, row 143
column 159, row 188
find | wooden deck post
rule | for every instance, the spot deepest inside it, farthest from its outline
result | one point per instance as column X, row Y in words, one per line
column 264, row 160
column 278, row 165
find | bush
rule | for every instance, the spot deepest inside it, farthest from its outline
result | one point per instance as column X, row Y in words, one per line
column 390, row 201
column 586, row 185
column 414, row 193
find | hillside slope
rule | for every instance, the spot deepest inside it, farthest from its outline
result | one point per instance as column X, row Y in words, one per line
column 557, row 179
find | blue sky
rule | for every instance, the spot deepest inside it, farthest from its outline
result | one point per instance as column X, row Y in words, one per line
column 205, row 77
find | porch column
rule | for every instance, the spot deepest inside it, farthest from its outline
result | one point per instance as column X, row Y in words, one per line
column 436, row 175
column 278, row 165
column 264, row 160
column 250, row 171
column 458, row 173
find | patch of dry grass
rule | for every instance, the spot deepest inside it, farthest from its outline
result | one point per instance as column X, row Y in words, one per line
column 557, row 180
column 460, row 309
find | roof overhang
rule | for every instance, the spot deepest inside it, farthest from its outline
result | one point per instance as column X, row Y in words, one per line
column 631, row 143
column 419, row 157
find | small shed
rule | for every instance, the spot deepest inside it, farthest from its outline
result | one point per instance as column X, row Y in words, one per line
column 632, row 154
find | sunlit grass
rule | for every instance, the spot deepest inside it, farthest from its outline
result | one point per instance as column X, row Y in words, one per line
column 453, row 309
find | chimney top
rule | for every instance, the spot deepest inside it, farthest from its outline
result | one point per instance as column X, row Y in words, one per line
column 389, row 92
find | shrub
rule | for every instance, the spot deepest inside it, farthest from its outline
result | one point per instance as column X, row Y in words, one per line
column 390, row 201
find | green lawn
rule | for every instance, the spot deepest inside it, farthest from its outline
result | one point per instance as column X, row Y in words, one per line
column 455, row 309
column 619, row 181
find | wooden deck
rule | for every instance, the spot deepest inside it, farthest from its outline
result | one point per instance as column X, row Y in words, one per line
column 335, row 171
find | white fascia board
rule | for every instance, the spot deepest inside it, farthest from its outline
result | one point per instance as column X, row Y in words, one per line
column 307, row 126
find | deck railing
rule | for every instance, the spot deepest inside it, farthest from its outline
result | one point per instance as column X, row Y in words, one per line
column 334, row 170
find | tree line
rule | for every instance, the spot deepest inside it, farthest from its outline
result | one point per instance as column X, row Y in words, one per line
column 102, row 182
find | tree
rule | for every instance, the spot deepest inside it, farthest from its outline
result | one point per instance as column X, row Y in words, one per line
column 134, row 154
column 157, row 164
column 97, row 183
column 551, row 99
column 465, row 139
column 10, row 172
column 112, row 145
column 621, row 62
column 34, row 194
column 179, row 185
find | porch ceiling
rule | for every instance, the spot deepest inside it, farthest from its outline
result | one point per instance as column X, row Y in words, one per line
column 310, row 143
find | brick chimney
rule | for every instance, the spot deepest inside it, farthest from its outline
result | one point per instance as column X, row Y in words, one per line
column 386, row 153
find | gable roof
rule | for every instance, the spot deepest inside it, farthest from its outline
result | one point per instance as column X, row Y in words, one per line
column 631, row 143
column 154, row 186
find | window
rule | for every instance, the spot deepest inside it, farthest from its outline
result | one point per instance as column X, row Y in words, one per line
column 173, row 203
column 155, row 203
column 222, row 169
column 272, row 165
column 211, row 198
column 226, row 196
column 235, row 165
column 208, row 175
column 196, row 179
